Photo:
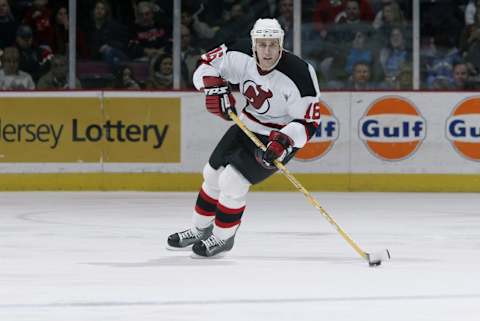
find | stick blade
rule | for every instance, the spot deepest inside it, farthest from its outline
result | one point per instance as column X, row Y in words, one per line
column 376, row 258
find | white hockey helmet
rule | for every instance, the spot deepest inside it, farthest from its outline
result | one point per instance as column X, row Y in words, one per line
column 267, row 29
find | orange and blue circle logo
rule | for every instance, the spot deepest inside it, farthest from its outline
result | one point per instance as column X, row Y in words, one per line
column 324, row 138
column 392, row 128
column 463, row 128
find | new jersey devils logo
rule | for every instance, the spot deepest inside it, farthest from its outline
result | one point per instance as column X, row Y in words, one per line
column 257, row 96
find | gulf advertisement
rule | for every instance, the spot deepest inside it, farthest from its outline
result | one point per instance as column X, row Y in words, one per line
column 395, row 133
column 86, row 129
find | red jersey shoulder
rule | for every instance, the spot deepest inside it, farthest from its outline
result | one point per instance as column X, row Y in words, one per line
column 242, row 46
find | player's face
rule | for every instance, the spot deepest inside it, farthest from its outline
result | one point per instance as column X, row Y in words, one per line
column 268, row 52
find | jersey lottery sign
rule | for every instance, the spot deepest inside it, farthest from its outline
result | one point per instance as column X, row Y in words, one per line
column 88, row 130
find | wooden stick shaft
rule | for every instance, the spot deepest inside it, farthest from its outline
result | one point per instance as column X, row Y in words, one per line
column 300, row 187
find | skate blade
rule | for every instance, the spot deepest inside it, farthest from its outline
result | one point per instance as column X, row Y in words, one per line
column 179, row 249
column 215, row 257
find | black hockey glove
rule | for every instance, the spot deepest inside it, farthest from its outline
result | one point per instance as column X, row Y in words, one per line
column 218, row 97
column 278, row 147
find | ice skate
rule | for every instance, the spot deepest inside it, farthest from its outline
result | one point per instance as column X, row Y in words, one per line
column 212, row 247
column 183, row 240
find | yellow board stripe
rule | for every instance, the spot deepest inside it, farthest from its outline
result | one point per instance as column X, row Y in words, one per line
column 192, row 181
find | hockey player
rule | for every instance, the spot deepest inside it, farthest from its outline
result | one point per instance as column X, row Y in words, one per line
column 281, row 108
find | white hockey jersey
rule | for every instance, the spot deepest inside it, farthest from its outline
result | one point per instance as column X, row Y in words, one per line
column 285, row 98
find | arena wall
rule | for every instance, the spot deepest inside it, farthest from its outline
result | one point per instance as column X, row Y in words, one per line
column 368, row 141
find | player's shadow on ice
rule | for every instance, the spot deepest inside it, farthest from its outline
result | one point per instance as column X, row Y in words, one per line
column 234, row 259
column 176, row 260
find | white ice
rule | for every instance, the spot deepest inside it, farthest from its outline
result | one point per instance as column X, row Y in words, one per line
column 101, row 256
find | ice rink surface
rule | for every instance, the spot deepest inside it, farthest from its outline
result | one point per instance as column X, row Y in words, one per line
column 101, row 256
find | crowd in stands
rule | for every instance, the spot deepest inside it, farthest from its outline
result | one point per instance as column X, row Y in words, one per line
column 353, row 44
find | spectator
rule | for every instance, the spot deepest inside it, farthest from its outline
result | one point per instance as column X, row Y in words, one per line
column 470, row 43
column 441, row 18
column 404, row 80
column 190, row 56
column 360, row 78
column 347, row 24
column 39, row 17
column 461, row 79
column 327, row 10
column 359, row 51
column 351, row 13
column 125, row 79
column 391, row 16
column 393, row 57
column 56, row 78
column 440, row 65
column 202, row 33
column 19, row 8
column 11, row 78
column 33, row 59
column 470, row 11
column 236, row 25
column 60, row 29
column 106, row 38
column 285, row 18
column 149, row 38
column 161, row 73
column 8, row 25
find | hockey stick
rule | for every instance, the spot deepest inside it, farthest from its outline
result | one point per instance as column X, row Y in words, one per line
column 373, row 259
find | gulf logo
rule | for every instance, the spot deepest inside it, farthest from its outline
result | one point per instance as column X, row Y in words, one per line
column 392, row 128
column 463, row 128
column 324, row 137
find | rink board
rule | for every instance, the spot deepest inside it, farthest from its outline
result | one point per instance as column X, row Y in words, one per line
column 409, row 141
column 192, row 182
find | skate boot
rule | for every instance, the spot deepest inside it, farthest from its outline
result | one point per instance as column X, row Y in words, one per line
column 212, row 246
column 182, row 240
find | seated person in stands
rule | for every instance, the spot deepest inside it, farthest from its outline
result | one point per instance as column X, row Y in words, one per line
column 360, row 78
column 57, row 77
column 389, row 17
column 439, row 67
column 463, row 76
column 392, row 58
column 11, row 78
column 60, row 30
column 125, row 79
column 39, row 17
column 106, row 38
column 404, row 79
column 359, row 51
column 190, row 56
column 161, row 73
column 33, row 59
column 8, row 25
column 149, row 37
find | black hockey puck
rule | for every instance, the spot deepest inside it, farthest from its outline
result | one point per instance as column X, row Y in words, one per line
column 374, row 263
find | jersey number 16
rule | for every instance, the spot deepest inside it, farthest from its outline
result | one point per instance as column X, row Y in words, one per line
column 213, row 54
column 313, row 111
